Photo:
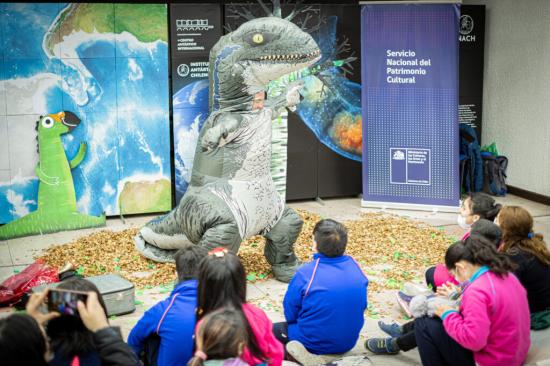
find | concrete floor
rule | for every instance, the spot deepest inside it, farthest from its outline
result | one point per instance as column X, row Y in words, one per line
column 16, row 254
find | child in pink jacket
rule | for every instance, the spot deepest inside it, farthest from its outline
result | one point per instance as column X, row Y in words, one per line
column 491, row 327
column 222, row 285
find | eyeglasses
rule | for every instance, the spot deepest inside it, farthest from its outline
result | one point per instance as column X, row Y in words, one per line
column 218, row 252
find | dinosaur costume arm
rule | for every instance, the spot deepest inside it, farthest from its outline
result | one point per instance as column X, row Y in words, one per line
column 222, row 131
column 51, row 181
column 82, row 149
column 289, row 99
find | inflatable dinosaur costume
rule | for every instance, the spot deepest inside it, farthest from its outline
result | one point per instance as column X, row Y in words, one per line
column 231, row 196
column 56, row 196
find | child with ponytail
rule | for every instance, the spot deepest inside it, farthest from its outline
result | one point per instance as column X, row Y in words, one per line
column 222, row 285
column 491, row 326
column 220, row 339
column 532, row 257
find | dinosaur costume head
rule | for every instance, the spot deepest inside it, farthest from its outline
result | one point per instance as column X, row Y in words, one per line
column 53, row 125
column 244, row 61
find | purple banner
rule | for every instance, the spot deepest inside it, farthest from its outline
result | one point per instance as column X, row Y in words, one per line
column 409, row 70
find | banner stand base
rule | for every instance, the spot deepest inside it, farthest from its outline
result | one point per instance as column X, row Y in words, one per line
column 409, row 206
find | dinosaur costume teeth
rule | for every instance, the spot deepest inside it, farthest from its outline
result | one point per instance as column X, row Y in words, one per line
column 231, row 195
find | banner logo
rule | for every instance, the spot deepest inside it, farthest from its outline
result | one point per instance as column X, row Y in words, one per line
column 183, row 70
column 466, row 24
column 398, row 155
column 193, row 24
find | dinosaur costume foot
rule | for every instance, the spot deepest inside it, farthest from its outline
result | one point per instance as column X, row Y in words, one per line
column 153, row 252
column 40, row 222
column 279, row 250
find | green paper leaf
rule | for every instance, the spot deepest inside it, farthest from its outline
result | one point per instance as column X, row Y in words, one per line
column 80, row 270
column 16, row 271
column 251, row 277
column 117, row 260
column 137, row 302
column 392, row 240
column 151, row 266
column 338, row 63
column 117, row 268
column 396, row 256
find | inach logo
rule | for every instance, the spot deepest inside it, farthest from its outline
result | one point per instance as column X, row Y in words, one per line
column 183, row 70
column 466, row 27
column 398, row 155
column 466, row 24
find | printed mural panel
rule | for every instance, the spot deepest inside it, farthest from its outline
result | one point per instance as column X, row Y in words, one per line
column 65, row 57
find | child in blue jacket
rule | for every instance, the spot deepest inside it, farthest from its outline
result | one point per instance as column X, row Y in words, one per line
column 326, row 299
column 165, row 332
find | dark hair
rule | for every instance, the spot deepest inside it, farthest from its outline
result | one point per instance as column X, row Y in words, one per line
column 221, row 334
column 477, row 250
column 484, row 205
column 21, row 341
column 187, row 260
column 68, row 335
column 222, row 284
column 517, row 228
column 331, row 237
column 488, row 230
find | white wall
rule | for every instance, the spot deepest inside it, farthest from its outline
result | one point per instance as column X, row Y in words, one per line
column 516, row 92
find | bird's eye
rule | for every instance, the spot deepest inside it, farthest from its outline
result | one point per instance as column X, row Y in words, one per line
column 47, row 122
column 258, row 38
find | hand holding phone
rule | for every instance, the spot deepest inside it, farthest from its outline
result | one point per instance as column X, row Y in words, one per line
column 33, row 308
column 92, row 313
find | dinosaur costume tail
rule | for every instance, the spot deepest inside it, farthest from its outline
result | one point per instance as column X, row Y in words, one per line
column 43, row 223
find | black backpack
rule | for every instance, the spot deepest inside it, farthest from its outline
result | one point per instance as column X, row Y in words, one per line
column 494, row 174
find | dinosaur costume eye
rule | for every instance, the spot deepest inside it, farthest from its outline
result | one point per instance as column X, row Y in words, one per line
column 257, row 38
column 47, row 122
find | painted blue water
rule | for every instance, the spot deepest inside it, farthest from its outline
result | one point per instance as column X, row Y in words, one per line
column 122, row 101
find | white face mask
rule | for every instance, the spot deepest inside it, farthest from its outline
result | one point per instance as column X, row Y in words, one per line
column 462, row 222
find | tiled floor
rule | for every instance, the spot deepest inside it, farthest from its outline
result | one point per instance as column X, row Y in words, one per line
column 17, row 253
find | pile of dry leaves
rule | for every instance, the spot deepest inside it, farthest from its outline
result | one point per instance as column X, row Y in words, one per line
column 391, row 250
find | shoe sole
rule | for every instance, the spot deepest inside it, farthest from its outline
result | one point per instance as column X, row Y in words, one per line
column 404, row 306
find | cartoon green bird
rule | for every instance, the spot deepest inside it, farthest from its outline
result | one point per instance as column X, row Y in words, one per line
column 56, row 196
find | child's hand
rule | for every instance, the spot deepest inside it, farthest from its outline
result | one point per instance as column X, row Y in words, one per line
column 92, row 313
column 441, row 308
column 447, row 289
column 33, row 308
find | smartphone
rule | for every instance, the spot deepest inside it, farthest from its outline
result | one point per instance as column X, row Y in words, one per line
column 64, row 301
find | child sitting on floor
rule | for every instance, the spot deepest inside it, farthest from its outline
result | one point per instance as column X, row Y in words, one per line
column 402, row 337
column 222, row 284
column 220, row 340
column 325, row 301
column 491, row 326
column 475, row 207
column 532, row 257
column 165, row 332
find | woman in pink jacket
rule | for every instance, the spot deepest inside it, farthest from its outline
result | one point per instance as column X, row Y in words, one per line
column 222, row 284
column 491, row 327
